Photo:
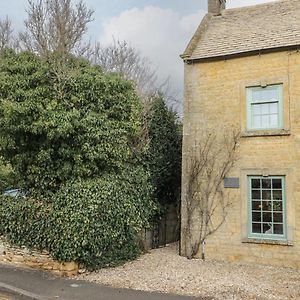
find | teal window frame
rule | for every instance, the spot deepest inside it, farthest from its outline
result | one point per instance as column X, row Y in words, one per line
column 267, row 236
column 278, row 88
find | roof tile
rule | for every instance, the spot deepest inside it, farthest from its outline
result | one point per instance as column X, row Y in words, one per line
column 240, row 30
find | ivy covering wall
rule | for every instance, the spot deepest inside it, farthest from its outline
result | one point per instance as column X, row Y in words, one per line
column 70, row 133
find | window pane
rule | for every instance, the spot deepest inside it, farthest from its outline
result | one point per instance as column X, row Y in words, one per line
column 265, row 94
column 276, row 183
column 256, row 194
column 266, row 183
column 266, row 195
column 277, row 195
column 256, row 217
column 277, row 206
column 273, row 108
column 267, row 217
column 269, row 94
column 278, row 217
column 256, row 121
column 278, row 228
column 255, row 183
column 256, row 109
column 274, row 120
column 257, row 95
column 256, row 205
column 267, row 228
column 267, row 205
column 256, row 228
column 265, row 109
column 265, row 121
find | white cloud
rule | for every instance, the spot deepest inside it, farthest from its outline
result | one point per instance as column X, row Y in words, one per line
column 239, row 3
column 159, row 34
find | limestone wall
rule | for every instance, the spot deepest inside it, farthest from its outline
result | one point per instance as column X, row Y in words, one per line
column 215, row 97
column 35, row 259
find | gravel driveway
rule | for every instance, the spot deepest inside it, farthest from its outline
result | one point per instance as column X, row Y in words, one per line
column 163, row 270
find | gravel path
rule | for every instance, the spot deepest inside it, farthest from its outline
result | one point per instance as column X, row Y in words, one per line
column 163, row 270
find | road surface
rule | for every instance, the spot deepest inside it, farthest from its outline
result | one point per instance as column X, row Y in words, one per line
column 27, row 284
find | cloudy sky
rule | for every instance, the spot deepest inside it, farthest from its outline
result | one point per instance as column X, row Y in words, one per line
column 159, row 29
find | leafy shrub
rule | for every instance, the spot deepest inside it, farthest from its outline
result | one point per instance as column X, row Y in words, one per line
column 70, row 133
column 164, row 153
column 24, row 221
column 61, row 123
column 7, row 176
column 93, row 222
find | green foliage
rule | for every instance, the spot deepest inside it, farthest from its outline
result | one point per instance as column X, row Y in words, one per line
column 100, row 218
column 63, row 122
column 7, row 176
column 164, row 155
column 24, row 222
column 93, row 222
column 69, row 131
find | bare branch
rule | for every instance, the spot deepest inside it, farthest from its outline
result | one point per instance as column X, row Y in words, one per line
column 120, row 57
column 7, row 39
column 209, row 163
column 55, row 26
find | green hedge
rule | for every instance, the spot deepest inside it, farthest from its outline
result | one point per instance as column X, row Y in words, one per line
column 24, row 221
column 7, row 176
column 93, row 222
column 80, row 124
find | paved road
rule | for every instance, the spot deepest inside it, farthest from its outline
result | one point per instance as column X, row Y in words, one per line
column 8, row 295
column 27, row 284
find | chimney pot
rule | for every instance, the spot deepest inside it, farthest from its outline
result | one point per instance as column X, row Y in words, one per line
column 216, row 6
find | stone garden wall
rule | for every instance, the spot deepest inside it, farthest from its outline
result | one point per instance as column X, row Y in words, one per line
column 34, row 259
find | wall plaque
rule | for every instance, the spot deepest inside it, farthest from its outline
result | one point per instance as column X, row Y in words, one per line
column 231, row 183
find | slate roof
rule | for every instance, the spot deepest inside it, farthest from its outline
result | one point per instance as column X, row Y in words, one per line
column 273, row 25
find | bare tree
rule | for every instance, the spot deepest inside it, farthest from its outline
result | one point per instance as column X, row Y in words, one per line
column 120, row 57
column 55, row 26
column 7, row 39
column 209, row 162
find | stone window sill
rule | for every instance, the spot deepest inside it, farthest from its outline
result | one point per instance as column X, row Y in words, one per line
column 267, row 242
column 277, row 132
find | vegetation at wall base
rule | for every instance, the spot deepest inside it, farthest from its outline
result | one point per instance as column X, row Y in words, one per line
column 93, row 222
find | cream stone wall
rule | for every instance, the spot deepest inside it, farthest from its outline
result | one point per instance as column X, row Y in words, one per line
column 215, row 98
column 35, row 259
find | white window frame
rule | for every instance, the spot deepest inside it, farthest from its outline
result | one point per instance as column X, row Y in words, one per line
column 250, row 105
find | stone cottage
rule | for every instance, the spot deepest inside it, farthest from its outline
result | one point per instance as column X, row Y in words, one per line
column 242, row 71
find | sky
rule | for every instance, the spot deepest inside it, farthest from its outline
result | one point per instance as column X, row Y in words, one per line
column 158, row 29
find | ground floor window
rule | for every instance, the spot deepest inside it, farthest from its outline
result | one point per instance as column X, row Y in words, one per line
column 267, row 218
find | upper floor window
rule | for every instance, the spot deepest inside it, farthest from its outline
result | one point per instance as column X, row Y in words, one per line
column 265, row 107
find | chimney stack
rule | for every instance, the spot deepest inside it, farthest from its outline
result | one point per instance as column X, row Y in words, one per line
column 216, row 6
